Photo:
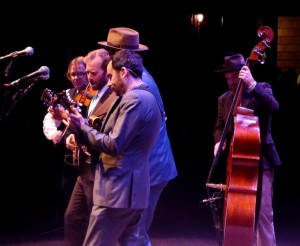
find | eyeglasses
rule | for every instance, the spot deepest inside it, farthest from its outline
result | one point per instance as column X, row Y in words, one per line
column 78, row 74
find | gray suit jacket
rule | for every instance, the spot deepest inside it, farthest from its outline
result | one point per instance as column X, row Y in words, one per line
column 127, row 137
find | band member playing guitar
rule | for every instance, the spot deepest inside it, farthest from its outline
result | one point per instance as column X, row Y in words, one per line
column 81, row 201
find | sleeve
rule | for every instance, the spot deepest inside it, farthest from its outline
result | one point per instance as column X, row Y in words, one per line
column 50, row 125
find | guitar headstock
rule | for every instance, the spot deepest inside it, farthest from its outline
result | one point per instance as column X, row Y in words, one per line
column 62, row 98
column 48, row 97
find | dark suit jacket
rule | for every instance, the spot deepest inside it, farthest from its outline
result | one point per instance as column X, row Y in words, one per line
column 87, row 170
column 262, row 101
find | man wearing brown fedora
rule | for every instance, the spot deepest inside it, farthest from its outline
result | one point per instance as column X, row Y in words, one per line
column 125, row 141
column 162, row 165
column 257, row 96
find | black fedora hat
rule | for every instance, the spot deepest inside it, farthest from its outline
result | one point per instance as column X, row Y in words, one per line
column 232, row 63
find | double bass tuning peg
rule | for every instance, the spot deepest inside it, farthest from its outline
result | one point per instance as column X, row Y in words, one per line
column 261, row 61
column 267, row 43
column 262, row 55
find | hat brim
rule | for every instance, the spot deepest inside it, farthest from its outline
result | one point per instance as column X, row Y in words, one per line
column 229, row 69
column 104, row 44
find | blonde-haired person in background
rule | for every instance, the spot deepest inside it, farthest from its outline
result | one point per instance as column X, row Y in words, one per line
column 80, row 205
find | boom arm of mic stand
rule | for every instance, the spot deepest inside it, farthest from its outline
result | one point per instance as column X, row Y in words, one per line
column 18, row 99
column 8, row 69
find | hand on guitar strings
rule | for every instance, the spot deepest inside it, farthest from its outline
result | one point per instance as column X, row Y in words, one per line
column 75, row 120
column 58, row 112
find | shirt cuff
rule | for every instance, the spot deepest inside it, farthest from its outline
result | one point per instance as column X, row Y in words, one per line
column 251, row 87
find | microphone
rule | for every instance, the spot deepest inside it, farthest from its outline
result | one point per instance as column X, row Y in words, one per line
column 26, row 52
column 42, row 73
column 216, row 186
column 211, row 199
column 41, row 77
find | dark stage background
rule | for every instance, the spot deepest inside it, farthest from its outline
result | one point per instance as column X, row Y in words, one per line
column 181, row 59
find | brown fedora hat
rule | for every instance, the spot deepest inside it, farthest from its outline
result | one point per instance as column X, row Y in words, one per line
column 232, row 63
column 123, row 38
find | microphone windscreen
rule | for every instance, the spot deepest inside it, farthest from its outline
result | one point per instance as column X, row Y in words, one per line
column 29, row 51
column 45, row 70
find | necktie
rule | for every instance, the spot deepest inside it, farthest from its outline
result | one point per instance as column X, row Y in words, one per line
column 93, row 104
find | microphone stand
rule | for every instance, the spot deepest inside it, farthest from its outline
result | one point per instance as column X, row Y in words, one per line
column 216, row 217
column 8, row 71
column 17, row 97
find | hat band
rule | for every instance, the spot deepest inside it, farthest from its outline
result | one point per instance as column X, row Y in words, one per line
column 124, row 46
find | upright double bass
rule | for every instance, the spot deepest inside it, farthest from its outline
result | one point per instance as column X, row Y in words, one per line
column 240, row 190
